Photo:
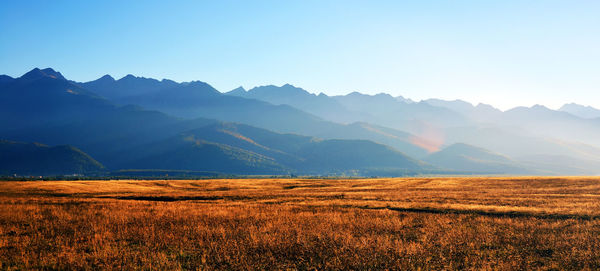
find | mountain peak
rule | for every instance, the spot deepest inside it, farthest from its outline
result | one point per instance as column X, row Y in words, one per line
column 237, row 91
column 128, row 77
column 355, row 94
column 482, row 105
column 5, row 78
column 36, row 73
column 52, row 73
column 582, row 111
column 107, row 78
column 272, row 90
column 383, row 95
column 168, row 81
column 568, row 106
column 404, row 100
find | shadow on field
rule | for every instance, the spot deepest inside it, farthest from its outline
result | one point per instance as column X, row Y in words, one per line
column 511, row 214
column 177, row 198
column 167, row 198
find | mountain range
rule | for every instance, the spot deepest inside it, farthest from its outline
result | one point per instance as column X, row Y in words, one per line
column 138, row 124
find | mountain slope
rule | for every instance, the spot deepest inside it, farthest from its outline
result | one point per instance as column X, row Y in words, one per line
column 37, row 159
column 190, row 153
column 407, row 143
column 467, row 158
column 266, row 152
column 338, row 156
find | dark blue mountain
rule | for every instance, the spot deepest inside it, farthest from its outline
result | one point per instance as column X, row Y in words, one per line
column 4, row 79
column 45, row 97
column 18, row 158
column 45, row 107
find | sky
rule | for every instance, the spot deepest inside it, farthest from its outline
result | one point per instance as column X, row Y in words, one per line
column 505, row 53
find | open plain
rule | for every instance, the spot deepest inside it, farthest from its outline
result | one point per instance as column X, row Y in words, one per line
column 514, row 223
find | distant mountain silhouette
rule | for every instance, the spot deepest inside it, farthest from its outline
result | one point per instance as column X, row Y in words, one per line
column 127, row 86
column 386, row 110
column 467, row 158
column 198, row 99
column 319, row 105
column 55, row 111
column 129, row 137
column 434, row 122
column 419, row 119
column 146, row 124
column 543, row 122
column 479, row 113
column 45, row 97
column 381, row 109
column 586, row 112
column 37, row 159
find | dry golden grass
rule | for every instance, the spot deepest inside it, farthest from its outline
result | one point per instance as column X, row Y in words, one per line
column 421, row 223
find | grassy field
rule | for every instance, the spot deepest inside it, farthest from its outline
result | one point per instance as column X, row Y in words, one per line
column 422, row 223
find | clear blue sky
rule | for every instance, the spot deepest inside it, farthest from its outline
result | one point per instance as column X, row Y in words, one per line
column 505, row 53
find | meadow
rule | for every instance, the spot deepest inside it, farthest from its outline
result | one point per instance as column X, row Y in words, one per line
column 516, row 223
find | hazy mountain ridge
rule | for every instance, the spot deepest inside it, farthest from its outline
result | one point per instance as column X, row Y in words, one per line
column 463, row 157
column 43, row 106
column 381, row 109
column 319, row 105
column 534, row 130
column 198, row 99
column 586, row 112
column 106, row 130
column 478, row 113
